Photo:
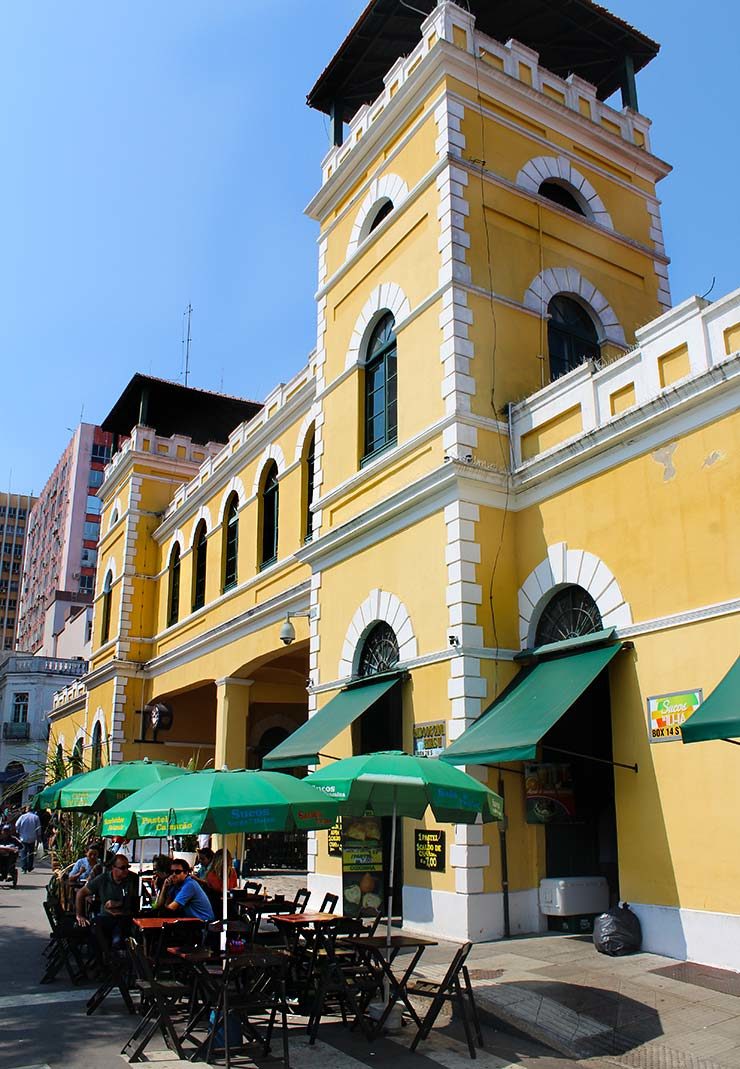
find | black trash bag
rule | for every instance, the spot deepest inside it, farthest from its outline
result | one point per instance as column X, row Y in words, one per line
column 617, row 932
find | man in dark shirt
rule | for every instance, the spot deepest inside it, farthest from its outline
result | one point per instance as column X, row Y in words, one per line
column 183, row 895
column 118, row 894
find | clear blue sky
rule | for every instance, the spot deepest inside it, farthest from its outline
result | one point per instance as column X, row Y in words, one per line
column 156, row 154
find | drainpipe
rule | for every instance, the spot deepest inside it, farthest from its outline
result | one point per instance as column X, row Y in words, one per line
column 504, row 863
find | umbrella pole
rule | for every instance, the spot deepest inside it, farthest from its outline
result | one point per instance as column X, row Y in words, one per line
column 224, row 890
column 391, row 878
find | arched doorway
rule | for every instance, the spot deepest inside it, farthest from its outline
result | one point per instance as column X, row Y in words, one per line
column 13, row 784
column 576, row 752
column 381, row 728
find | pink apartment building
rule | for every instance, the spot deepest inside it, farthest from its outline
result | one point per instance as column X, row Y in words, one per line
column 61, row 543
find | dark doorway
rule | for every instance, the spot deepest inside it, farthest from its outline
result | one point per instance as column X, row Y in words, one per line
column 381, row 728
column 586, row 846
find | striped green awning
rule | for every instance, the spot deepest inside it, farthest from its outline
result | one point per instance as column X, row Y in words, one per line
column 512, row 726
column 719, row 716
column 304, row 746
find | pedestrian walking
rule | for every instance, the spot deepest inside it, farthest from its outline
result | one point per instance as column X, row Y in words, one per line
column 28, row 830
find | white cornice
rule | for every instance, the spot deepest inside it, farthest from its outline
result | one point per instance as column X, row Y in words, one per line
column 446, row 59
column 232, row 631
column 681, row 619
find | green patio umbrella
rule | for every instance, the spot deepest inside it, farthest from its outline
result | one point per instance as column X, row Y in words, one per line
column 222, row 802
column 96, row 791
column 49, row 797
column 395, row 784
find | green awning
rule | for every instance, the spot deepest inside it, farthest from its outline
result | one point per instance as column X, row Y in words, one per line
column 306, row 743
column 512, row 726
column 719, row 716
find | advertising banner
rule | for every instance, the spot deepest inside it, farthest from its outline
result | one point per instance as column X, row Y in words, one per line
column 549, row 793
column 362, row 866
column 335, row 838
column 429, row 850
column 430, row 739
column 667, row 712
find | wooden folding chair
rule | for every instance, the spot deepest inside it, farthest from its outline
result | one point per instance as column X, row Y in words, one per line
column 450, row 989
column 329, row 904
column 114, row 965
column 160, row 997
column 301, row 900
column 67, row 946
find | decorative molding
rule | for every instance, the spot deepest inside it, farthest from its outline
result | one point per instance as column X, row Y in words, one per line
column 203, row 513
column 379, row 606
column 567, row 280
column 681, row 619
column 558, row 169
column 388, row 297
column 564, row 567
column 234, row 486
column 389, row 187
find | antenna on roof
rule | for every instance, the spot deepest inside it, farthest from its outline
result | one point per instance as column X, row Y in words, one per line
column 186, row 339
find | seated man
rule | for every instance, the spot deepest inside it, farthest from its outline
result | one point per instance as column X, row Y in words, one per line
column 183, row 895
column 118, row 894
column 83, row 867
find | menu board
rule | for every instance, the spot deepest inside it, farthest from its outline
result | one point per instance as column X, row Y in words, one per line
column 335, row 838
column 362, row 866
column 550, row 797
column 429, row 849
column 430, row 739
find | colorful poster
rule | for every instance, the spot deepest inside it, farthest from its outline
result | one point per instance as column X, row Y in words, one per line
column 362, row 866
column 429, row 850
column 549, row 793
column 430, row 739
column 667, row 712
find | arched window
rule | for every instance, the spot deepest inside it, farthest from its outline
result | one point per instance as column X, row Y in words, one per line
column 200, row 550
column 571, row 336
column 231, row 542
column 173, row 606
column 96, row 755
column 382, row 212
column 570, row 613
column 379, row 651
column 310, row 472
column 270, row 502
column 106, row 608
column 561, row 194
column 381, row 412
column 76, row 759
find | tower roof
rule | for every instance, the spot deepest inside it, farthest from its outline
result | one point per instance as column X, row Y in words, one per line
column 171, row 408
column 571, row 36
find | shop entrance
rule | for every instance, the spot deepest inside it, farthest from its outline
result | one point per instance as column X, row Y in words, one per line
column 381, row 728
column 582, row 842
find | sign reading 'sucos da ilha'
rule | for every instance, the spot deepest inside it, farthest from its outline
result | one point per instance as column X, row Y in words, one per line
column 667, row 712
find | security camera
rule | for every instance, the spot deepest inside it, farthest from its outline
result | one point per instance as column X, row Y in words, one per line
column 453, row 640
column 287, row 633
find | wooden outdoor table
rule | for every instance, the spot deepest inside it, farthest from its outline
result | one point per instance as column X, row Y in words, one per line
column 295, row 920
column 155, row 927
column 375, row 946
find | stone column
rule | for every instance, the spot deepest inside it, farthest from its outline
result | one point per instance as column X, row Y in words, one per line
column 232, row 718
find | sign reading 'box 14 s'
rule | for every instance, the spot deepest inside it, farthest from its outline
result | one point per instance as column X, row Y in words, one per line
column 667, row 712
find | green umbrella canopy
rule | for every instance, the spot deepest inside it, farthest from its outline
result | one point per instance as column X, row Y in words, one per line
column 222, row 802
column 392, row 781
column 49, row 797
column 96, row 791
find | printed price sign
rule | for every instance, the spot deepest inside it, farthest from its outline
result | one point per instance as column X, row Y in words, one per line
column 429, row 849
column 667, row 712
column 430, row 739
column 362, row 866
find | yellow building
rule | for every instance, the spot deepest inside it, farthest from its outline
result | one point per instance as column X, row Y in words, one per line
column 488, row 451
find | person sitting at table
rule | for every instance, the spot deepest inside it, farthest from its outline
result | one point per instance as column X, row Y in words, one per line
column 84, row 867
column 183, row 895
column 118, row 894
column 214, row 875
column 204, row 859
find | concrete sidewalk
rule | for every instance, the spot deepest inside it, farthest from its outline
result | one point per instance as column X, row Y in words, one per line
column 632, row 1011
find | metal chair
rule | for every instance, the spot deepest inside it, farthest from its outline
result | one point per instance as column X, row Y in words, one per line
column 450, row 989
